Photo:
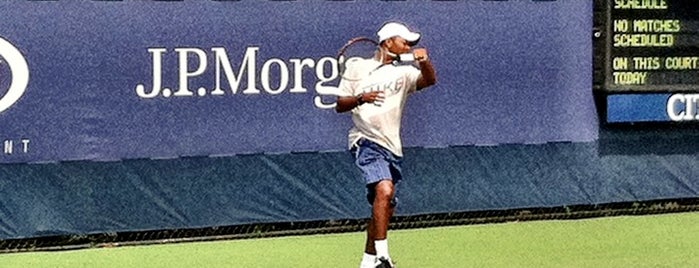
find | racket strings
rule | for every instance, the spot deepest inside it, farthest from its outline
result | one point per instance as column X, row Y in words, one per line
column 355, row 56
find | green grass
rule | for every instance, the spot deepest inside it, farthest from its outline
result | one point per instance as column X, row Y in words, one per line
column 668, row 240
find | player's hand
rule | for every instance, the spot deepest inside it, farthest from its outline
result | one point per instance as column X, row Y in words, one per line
column 375, row 97
column 420, row 54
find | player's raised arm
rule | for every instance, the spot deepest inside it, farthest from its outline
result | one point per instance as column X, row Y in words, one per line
column 428, row 76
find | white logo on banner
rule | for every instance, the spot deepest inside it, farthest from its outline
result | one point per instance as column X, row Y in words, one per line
column 19, row 71
column 683, row 107
column 274, row 77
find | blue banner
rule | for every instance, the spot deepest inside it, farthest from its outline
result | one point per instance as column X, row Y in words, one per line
column 666, row 107
column 103, row 80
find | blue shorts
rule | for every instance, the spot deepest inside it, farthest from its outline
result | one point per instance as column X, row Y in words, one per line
column 376, row 163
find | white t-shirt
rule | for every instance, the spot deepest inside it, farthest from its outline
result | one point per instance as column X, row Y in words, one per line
column 379, row 122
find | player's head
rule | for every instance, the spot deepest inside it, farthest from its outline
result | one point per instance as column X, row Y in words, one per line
column 397, row 38
column 397, row 29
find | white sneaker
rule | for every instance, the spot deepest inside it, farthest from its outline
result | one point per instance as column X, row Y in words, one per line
column 368, row 261
column 367, row 265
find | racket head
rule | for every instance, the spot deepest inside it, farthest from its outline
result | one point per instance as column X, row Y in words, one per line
column 352, row 57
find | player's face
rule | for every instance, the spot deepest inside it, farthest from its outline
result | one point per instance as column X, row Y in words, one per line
column 398, row 45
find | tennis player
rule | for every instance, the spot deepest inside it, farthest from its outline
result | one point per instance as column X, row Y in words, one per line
column 376, row 102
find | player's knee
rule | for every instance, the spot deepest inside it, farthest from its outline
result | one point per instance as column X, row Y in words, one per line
column 371, row 197
column 381, row 191
column 384, row 190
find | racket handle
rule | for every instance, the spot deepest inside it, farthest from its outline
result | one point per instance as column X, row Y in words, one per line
column 406, row 57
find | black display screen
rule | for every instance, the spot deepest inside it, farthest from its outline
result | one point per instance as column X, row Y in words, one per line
column 649, row 45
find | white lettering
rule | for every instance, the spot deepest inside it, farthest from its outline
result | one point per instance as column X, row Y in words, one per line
column 25, row 145
column 283, row 76
column 274, row 74
column 157, row 75
column 12, row 146
column 682, row 107
column 298, row 74
column 247, row 65
column 320, row 86
column 184, row 73
column 8, row 146
column 19, row 71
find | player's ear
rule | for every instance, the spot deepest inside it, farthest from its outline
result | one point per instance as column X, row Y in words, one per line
column 389, row 42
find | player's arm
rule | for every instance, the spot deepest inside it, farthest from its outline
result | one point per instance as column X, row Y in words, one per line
column 428, row 76
column 350, row 102
column 345, row 104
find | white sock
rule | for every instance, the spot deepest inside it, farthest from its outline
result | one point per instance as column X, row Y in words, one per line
column 381, row 248
column 367, row 261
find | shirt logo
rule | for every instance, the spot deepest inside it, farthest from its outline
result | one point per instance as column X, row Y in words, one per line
column 389, row 87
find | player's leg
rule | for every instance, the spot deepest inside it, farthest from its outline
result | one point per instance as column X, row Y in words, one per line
column 382, row 211
column 380, row 169
column 383, row 208
column 370, row 234
column 369, row 258
column 381, row 196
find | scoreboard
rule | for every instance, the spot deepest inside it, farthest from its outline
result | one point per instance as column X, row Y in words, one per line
column 647, row 51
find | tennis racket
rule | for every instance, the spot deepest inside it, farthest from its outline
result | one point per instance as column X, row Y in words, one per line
column 354, row 58
column 351, row 60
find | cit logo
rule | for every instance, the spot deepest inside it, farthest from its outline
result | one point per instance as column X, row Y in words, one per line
column 11, row 58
